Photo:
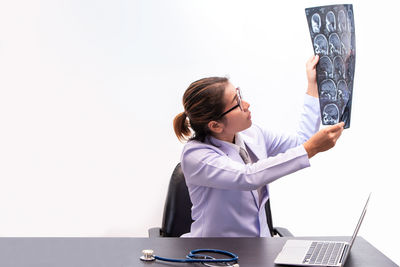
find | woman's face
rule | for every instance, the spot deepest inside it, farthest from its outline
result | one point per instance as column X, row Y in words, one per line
column 236, row 120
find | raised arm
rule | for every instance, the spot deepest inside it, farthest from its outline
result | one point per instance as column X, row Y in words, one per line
column 204, row 165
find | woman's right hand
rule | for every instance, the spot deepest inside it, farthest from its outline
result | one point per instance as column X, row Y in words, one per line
column 324, row 139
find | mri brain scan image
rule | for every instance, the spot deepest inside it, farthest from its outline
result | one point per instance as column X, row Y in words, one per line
column 330, row 22
column 345, row 43
column 328, row 90
column 343, row 93
column 330, row 114
column 338, row 68
column 350, row 21
column 324, row 68
column 335, row 44
column 332, row 35
column 316, row 23
column 342, row 19
column 320, row 45
column 349, row 68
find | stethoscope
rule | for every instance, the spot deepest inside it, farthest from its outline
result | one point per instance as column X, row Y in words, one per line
column 196, row 256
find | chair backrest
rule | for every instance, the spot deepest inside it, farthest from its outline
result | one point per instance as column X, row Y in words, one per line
column 177, row 217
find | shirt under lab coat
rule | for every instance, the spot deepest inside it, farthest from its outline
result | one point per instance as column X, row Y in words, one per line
column 223, row 189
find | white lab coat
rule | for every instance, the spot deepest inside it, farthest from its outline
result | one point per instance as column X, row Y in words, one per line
column 223, row 189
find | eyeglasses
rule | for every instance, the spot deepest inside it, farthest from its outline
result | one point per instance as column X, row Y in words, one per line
column 239, row 103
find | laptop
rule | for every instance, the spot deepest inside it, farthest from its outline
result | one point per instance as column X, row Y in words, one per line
column 318, row 253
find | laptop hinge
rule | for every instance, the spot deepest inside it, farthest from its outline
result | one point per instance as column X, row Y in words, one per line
column 346, row 247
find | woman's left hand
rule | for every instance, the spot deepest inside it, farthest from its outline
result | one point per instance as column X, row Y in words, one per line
column 311, row 65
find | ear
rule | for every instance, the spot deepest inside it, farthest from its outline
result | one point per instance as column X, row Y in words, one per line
column 215, row 127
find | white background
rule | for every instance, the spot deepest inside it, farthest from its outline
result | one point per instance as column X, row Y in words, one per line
column 88, row 91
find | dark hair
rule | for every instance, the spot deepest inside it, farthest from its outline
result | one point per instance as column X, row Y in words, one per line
column 203, row 102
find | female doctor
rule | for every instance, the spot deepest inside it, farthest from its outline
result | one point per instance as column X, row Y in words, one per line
column 228, row 162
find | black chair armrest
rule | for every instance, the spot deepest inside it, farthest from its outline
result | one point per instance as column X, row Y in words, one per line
column 154, row 232
column 282, row 231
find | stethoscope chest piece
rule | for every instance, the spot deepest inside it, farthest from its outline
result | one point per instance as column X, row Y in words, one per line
column 148, row 255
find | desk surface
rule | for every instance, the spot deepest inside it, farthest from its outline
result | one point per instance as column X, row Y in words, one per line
column 125, row 252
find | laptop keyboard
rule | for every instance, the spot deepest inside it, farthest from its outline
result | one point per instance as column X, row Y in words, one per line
column 325, row 253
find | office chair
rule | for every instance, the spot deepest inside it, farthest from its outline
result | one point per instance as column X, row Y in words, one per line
column 177, row 210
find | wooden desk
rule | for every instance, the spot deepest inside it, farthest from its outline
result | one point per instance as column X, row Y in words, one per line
column 125, row 252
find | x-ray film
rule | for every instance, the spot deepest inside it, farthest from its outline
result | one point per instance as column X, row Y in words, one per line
column 333, row 38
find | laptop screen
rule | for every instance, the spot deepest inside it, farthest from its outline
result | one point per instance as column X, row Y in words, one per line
column 358, row 226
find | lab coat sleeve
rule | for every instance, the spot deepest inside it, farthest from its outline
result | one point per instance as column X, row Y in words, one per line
column 205, row 166
column 308, row 126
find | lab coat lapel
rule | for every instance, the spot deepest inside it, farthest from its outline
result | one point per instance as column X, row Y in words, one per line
column 234, row 155
column 255, row 149
column 256, row 197
column 257, row 152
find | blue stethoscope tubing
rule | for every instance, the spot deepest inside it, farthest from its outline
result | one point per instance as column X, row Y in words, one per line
column 194, row 254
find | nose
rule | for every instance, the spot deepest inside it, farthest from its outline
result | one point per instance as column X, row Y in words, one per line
column 246, row 105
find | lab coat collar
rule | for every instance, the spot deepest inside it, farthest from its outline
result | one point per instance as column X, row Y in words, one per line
column 238, row 143
column 229, row 149
column 232, row 151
